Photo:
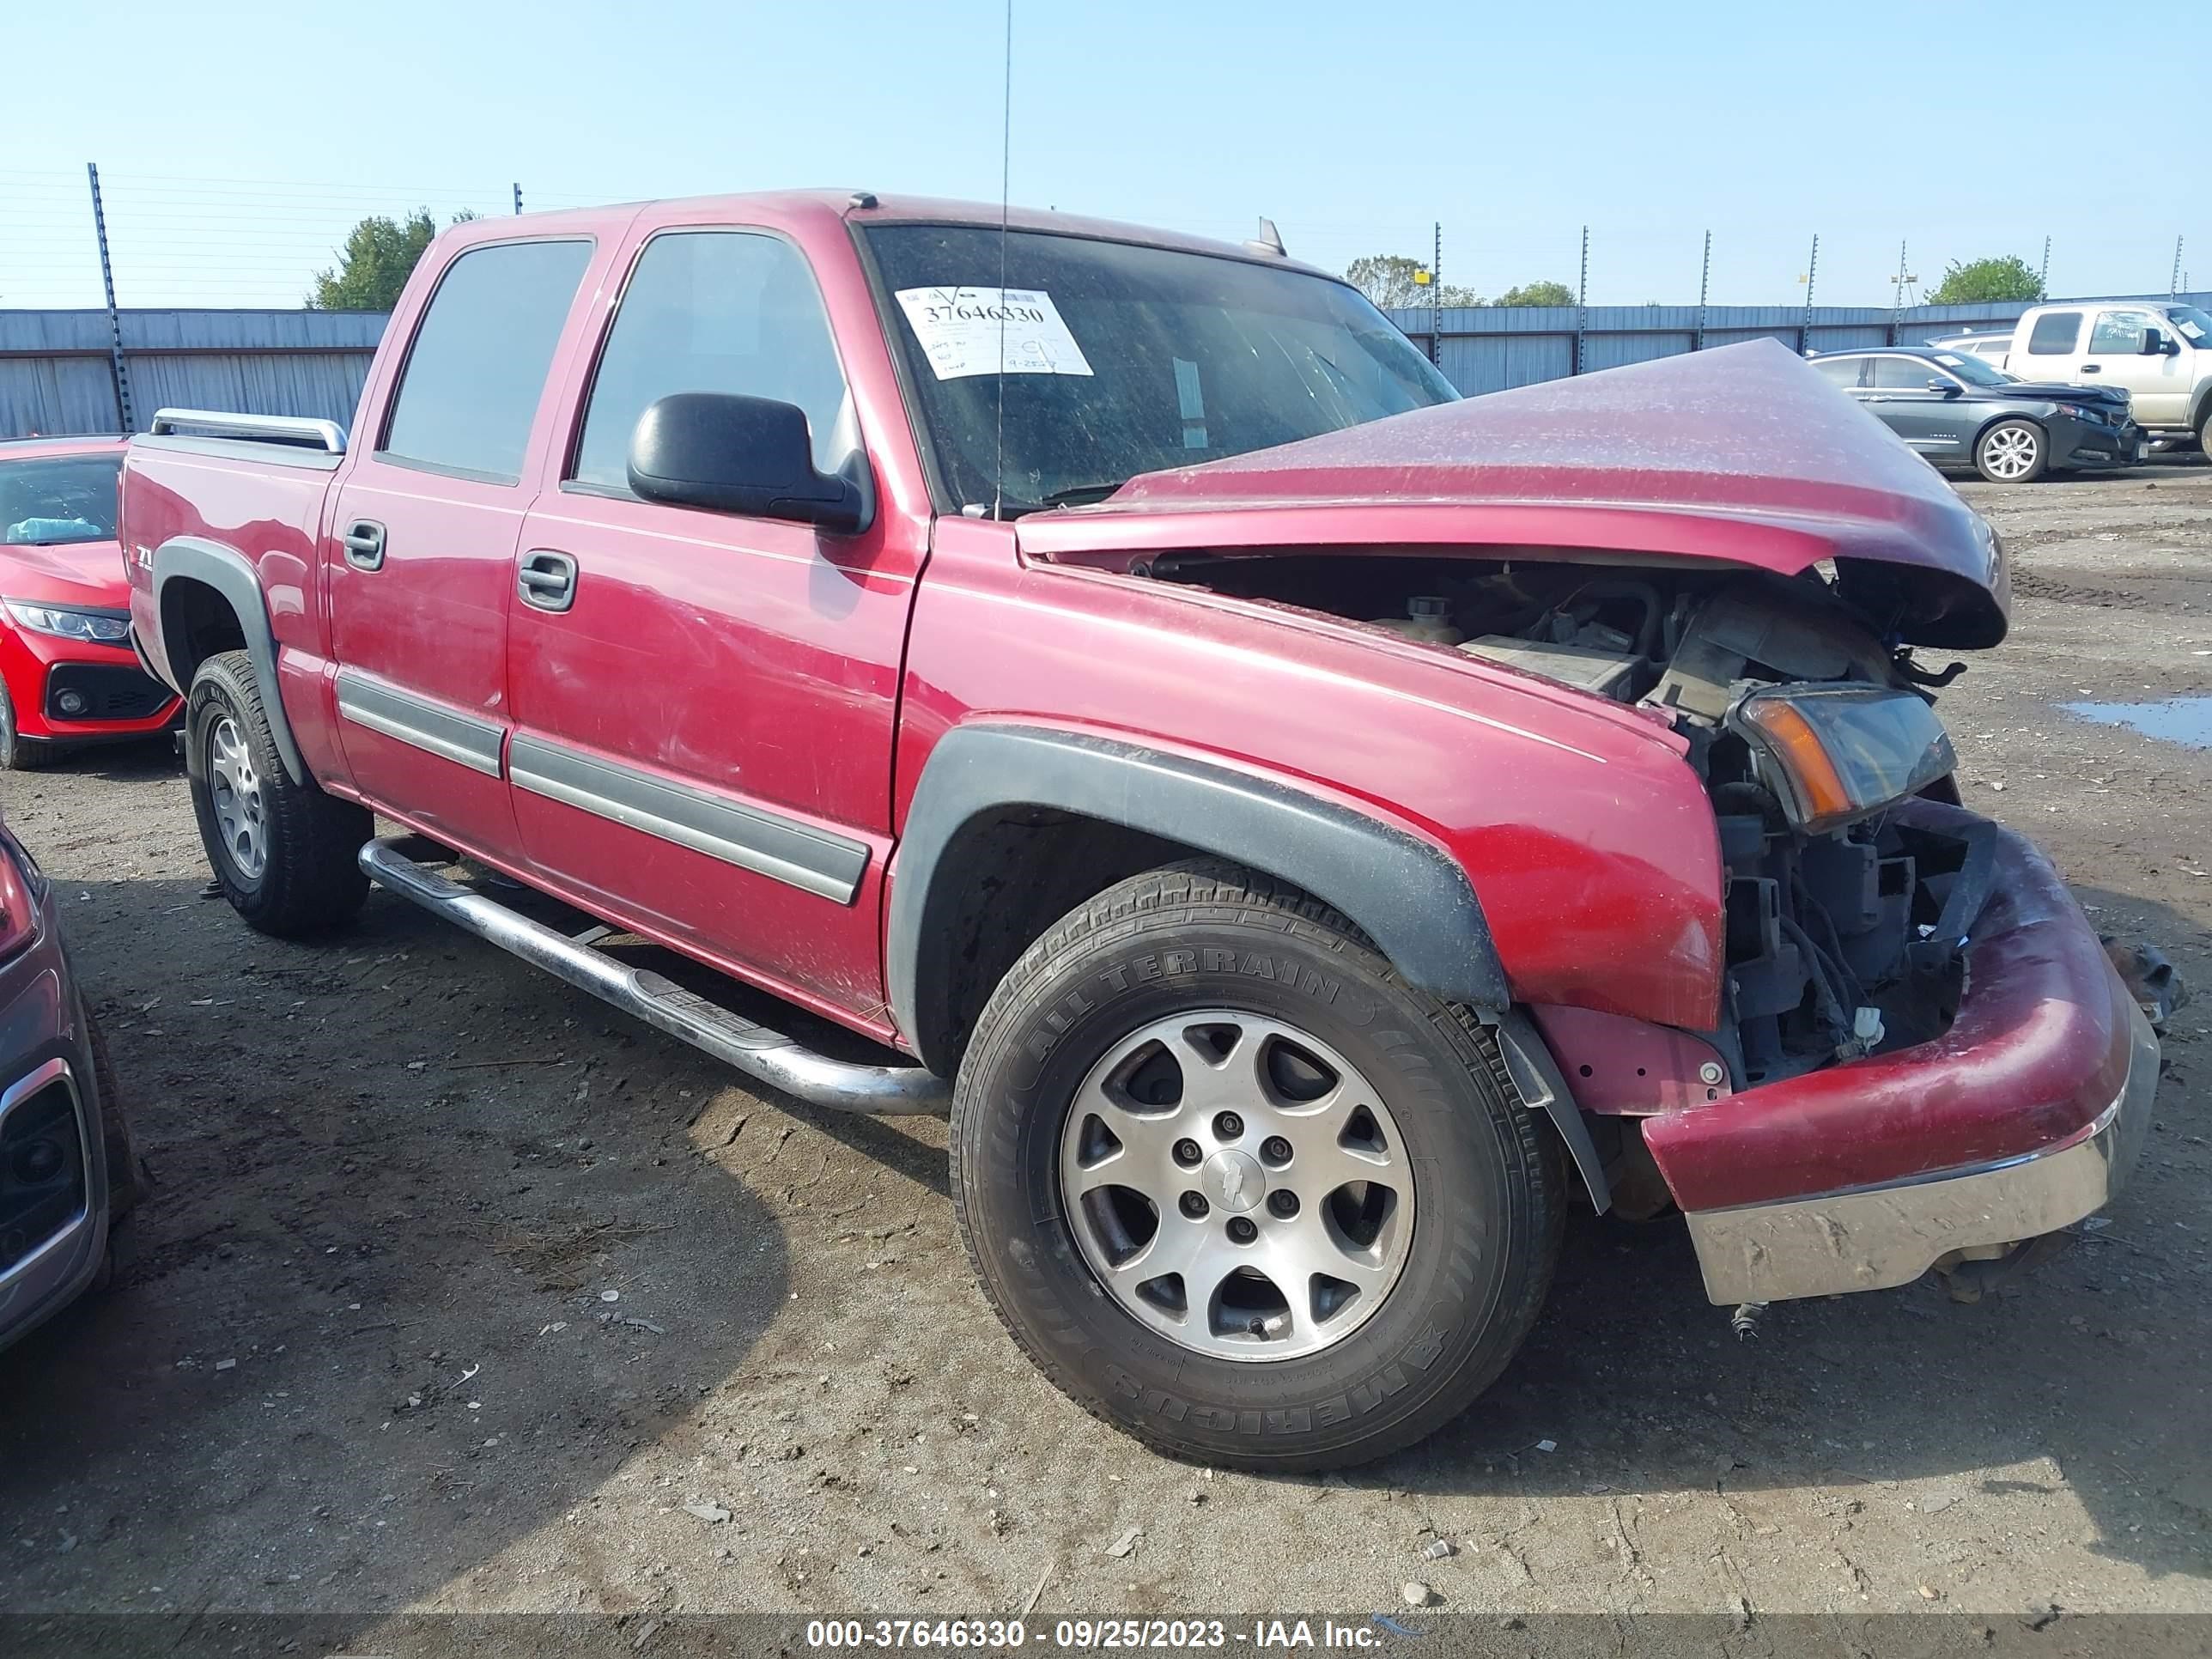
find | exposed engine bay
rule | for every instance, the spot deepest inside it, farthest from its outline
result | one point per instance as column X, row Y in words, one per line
column 1843, row 931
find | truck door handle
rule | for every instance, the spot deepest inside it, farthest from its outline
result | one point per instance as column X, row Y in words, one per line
column 547, row 580
column 364, row 544
column 2092, row 369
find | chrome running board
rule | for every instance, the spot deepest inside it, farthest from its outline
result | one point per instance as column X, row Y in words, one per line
column 765, row 1055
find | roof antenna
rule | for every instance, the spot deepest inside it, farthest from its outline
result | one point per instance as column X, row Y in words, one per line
column 1006, row 178
column 1269, row 241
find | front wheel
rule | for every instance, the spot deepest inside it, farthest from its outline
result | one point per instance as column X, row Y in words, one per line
column 283, row 853
column 2012, row 451
column 19, row 753
column 1239, row 1190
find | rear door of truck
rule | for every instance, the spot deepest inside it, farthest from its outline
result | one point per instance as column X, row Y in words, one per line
column 704, row 702
column 420, row 548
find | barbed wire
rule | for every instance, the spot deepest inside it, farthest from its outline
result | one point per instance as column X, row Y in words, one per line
column 187, row 239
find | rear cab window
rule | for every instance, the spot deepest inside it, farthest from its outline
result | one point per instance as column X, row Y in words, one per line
column 477, row 366
column 2054, row 334
column 1839, row 370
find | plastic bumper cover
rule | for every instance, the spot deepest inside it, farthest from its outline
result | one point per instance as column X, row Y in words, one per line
column 1872, row 1239
column 2019, row 1119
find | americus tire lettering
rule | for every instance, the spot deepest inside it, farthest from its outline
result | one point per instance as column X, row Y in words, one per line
column 1204, row 1010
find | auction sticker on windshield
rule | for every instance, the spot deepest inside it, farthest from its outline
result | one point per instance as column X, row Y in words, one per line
column 965, row 330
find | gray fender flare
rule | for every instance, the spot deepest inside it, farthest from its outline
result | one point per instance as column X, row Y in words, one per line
column 1409, row 896
column 229, row 573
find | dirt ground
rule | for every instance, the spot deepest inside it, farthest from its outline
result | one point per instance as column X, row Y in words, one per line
column 459, row 1290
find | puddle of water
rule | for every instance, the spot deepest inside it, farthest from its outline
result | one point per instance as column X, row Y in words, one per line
column 2177, row 720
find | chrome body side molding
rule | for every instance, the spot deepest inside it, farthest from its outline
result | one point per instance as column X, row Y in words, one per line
column 417, row 721
column 783, row 849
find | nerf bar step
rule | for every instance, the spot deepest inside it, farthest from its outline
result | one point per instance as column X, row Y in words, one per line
column 765, row 1055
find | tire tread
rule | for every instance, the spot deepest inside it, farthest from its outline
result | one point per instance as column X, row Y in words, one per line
column 1218, row 882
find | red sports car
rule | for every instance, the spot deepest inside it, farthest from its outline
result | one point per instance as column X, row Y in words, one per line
column 68, row 675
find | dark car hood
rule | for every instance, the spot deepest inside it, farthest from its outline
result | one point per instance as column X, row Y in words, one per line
column 2052, row 391
column 1742, row 454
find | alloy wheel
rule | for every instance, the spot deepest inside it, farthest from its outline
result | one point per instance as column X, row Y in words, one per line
column 2010, row 452
column 235, row 787
column 1236, row 1184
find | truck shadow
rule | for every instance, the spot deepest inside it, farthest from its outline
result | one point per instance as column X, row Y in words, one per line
column 398, row 1172
column 2089, row 1368
column 395, row 1301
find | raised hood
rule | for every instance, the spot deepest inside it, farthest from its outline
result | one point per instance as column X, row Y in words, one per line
column 1742, row 454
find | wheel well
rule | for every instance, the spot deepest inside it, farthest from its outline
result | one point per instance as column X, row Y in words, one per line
column 1011, row 873
column 197, row 622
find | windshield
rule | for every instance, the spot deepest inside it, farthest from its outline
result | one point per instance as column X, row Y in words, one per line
column 2196, row 327
column 1973, row 371
column 1122, row 359
column 58, row 498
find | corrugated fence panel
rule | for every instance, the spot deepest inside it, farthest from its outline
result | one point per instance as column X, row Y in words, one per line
column 55, row 396
column 56, row 376
column 1488, row 347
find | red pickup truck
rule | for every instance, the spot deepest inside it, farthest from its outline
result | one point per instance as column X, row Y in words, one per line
column 1305, row 828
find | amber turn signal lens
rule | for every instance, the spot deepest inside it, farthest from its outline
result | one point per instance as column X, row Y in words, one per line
column 1821, row 793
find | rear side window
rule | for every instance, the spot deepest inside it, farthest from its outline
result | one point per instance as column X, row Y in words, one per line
column 714, row 311
column 1904, row 373
column 2055, row 333
column 1839, row 370
column 481, row 354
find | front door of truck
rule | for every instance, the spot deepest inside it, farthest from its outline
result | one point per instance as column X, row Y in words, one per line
column 704, row 702
column 420, row 549
column 2158, row 382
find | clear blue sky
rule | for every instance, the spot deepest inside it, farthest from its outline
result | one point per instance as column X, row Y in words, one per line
column 239, row 142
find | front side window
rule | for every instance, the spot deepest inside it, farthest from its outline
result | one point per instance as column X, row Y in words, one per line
column 724, row 310
column 1120, row 359
column 2120, row 333
column 473, row 378
column 58, row 499
column 1839, row 370
column 2054, row 334
column 1904, row 373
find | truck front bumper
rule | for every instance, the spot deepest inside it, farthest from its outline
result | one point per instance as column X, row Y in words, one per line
column 2022, row 1118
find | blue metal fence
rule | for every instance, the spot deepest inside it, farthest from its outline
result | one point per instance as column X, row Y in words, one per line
column 1490, row 348
column 57, row 368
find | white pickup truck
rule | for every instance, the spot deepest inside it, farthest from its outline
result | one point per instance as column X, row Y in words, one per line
column 2159, row 351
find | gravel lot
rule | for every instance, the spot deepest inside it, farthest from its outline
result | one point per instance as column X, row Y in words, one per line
column 461, row 1292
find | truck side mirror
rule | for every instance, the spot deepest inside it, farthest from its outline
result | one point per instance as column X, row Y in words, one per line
column 731, row 454
column 2155, row 345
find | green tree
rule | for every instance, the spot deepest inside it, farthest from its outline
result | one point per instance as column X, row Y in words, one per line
column 1387, row 279
column 1537, row 294
column 2007, row 276
column 373, row 265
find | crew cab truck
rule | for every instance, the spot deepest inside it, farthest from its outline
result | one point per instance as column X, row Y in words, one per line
column 2159, row 352
column 1302, row 826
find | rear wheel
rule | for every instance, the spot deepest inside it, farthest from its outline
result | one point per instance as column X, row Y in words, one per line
column 2012, row 451
column 1239, row 1190
column 19, row 753
column 283, row 853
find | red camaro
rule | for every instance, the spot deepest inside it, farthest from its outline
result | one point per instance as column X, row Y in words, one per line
column 67, row 673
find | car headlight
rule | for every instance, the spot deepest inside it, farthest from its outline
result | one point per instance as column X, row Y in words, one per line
column 1833, row 753
column 67, row 622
